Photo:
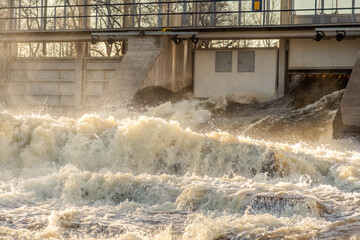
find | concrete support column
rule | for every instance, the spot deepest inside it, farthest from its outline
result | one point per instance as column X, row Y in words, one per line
column 79, row 74
column 282, row 67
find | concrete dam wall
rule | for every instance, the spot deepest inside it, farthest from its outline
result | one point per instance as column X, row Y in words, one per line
column 151, row 61
column 86, row 81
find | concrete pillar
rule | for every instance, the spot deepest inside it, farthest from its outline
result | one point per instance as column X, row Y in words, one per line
column 282, row 67
column 347, row 120
column 79, row 74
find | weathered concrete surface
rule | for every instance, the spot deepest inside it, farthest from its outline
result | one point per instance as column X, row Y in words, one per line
column 347, row 120
column 151, row 61
column 172, row 68
column 133, row 69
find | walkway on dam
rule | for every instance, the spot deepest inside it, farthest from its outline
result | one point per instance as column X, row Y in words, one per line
column 125, row 15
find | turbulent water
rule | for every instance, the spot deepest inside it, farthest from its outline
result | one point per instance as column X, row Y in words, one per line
column 162, row 174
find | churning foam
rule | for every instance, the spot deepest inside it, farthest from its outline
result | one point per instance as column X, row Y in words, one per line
column 128, row 175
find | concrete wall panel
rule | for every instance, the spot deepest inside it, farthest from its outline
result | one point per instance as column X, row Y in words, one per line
column 208, row 83
column 18, row 75
column 326, row 54
column 41, row 64
column 44, row 74
column 98, row 75
column 52, row 81
column 67, row 88
column 67, row 75
column 41, row 88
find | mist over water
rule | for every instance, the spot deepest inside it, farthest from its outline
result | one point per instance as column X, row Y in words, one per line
column 194, row 169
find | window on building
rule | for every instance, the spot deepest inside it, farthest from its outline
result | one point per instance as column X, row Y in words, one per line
column 246, row 61
column 223, row 62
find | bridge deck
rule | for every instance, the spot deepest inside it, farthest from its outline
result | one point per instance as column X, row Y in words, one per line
column 94, row 15
column 203, row 33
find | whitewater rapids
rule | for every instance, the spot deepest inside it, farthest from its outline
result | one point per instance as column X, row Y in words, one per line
column 121, row 174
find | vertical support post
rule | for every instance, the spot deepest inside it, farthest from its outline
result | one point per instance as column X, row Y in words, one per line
column 139, row 20
column 322, row 16
column 292, row 11
column 108, row 14
column 315, row 15
column 133, row 13
column 159, row 14
column 79, row 74
column 168, row 14
column 45, row 14
column 65, row 17
column 11, row 15
column 239, row 13
column 87, row 13
column 96, row 16
column 264, row 12
column 285, row 14
column 43, row 22
column 213, row 14
column 282, row 67
column 19, row 17
column 41, row 14
column 353, row 12
column 268, row 12
column 128, row 14
column 54, row 18
column 84, row 12
column 195, row 15
column 184, row 14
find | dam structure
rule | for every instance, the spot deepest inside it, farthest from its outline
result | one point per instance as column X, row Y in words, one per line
column 79, row 53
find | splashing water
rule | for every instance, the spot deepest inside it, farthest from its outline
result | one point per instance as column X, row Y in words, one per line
column 121, row 174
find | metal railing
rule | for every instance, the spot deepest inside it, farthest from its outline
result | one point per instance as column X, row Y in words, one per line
column 162, row 14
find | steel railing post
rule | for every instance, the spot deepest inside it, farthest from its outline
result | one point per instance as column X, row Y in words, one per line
column 184, row 14
column 64, row 21
column 212, row 14
column 159, row 14
column 322, row 17
column 168, row 14
column 315, row 15
column 292, row 11
column 108, row 14
column 133, row 14
column 267, row 12
column 239, row 13
column 353, row 11
column 96, row 16
column 19, row 17
column 55, row 18
column 139, row 23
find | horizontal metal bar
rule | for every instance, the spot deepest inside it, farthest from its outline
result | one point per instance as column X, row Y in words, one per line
column 148, row 33
column 115, row 33
column 290, row 34
column 347, row 29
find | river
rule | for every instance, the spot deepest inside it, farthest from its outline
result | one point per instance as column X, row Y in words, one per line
column 176, row 171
